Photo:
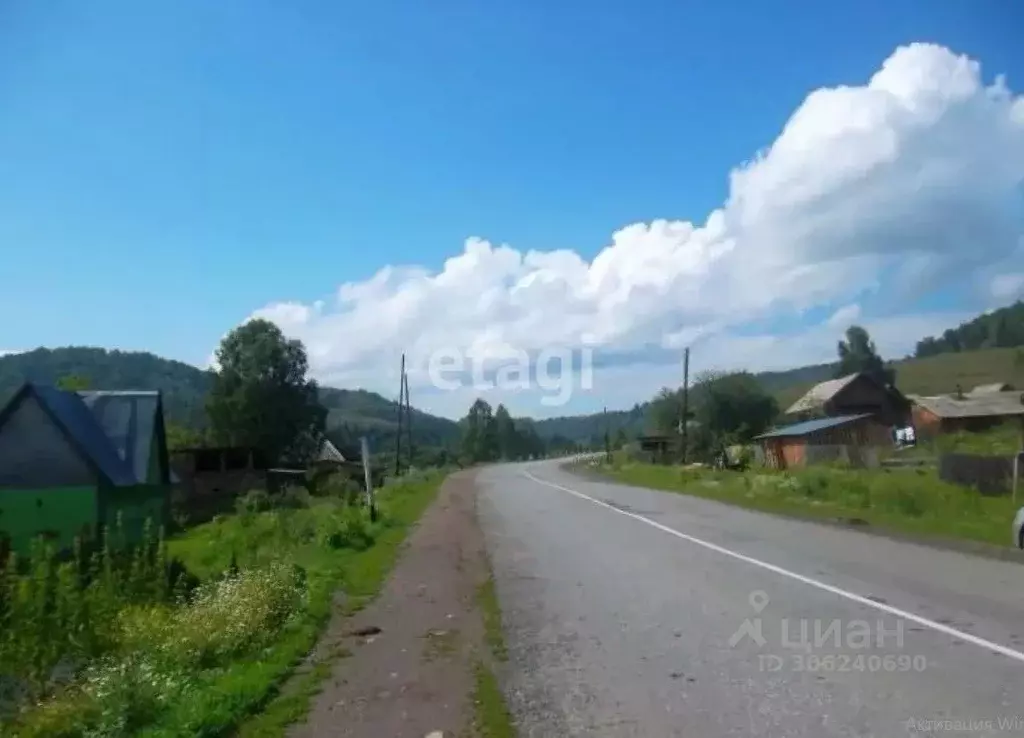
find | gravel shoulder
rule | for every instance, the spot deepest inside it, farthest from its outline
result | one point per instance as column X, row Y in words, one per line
column 417, row 653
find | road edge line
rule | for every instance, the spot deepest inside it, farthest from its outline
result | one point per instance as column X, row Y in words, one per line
column 803, row 579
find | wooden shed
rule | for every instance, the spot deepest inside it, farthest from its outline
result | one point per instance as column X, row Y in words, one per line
column 788, row 447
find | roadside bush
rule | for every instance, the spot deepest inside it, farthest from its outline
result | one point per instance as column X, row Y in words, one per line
column 254, row 501
column 343, row 487
column 55, row 615
column 292, row 497
column 224, row 618
column 345, row 528
column 148, row 657
column 910, row 499
column 159, row 650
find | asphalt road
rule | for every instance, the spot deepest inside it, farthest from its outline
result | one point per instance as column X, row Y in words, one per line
column 625, row 614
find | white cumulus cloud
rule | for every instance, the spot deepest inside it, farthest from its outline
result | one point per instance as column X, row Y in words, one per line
column 905, row 183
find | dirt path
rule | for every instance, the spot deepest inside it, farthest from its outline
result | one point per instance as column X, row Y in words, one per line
column 415, row 676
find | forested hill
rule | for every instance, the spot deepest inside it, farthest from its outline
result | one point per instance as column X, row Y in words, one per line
column 976, row 352
column 1002, row 328
column 185, row 388
column 183, row 385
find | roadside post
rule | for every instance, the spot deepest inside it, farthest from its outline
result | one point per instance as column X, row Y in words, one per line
column 370, row 499
column 1016, row 475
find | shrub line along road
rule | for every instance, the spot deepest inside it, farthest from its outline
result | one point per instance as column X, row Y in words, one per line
column 633, row 612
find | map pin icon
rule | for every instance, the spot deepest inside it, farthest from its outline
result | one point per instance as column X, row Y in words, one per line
column 758, row 600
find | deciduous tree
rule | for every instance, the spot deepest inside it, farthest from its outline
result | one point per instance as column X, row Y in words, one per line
column 857, row 353
column 262, row 396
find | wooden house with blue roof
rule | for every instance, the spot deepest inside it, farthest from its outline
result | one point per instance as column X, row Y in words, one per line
column 71, row 463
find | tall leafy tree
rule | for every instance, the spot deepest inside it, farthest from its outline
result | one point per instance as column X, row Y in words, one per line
column 479, row 433
column 73, row 383
column 532, row 444
column 857, row 353
column 261, row 394
column 506, row 434
column 665, row 410
column 724, row 408
column 181, row 437
column 732, row 408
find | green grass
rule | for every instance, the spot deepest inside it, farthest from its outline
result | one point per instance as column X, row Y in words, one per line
column 333, row 546
column 913, row 501
column 939, row 375
column 289, row 708
column 361, row 578
column 487, row 598
column 493, row 719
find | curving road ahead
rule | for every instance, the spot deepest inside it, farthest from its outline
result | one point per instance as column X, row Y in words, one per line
column 632, row 612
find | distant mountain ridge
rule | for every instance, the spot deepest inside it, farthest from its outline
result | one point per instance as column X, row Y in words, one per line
column 1002, row 328
column 185, row 388
column 963, row 355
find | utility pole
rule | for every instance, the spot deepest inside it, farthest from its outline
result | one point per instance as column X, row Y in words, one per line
column 686, row 400
column 607, row 436
column 398, row 435
column 368, row 478
column 408, row 417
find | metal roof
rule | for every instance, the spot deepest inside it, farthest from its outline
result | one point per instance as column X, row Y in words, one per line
column 808, row 427
column 820, row 393
column 988, row 389
column 128, row 420
column 329, row 453
column 992, row 404
column 68, row 410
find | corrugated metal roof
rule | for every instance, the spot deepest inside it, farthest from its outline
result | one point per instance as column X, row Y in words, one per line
column 812, row 426
column 330, row 453
column 993, row 404
column 819, row 394
column 70, row 412
column 988, row 389
column 128, row 420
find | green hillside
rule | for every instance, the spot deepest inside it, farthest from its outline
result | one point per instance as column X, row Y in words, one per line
column 1002, row 328
column 184, row 386
column 589, row 427
column 350, row 412
column 938, row 374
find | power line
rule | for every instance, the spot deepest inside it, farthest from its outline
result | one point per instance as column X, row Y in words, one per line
column 398, row 436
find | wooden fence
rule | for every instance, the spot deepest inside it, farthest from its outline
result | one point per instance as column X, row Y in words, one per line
column 990, row 475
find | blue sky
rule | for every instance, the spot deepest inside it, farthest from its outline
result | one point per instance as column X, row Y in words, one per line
column 170, row 167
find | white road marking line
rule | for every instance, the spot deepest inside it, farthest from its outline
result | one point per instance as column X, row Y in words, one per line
column 852, row 596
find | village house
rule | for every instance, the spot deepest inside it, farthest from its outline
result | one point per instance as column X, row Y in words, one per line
column 73, row 463
column 854, row 394
column 971, row 412
column 842, row 418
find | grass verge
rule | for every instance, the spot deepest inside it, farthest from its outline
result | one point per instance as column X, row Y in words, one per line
column 487, row 599
column 361, row 580
column 202, row 666
column 493, row 719
column 912, row 501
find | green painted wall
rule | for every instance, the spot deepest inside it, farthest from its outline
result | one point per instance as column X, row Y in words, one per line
column 135, row 504
column 59, row 513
